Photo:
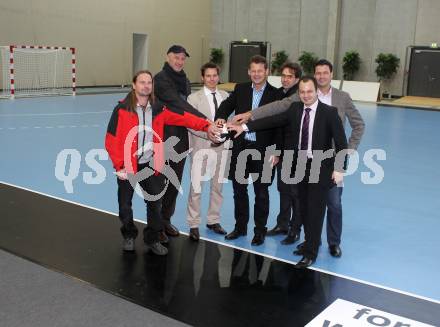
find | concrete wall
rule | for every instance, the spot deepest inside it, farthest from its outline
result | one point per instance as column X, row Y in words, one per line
column 102, row 32
column 372, row 27
column 427, row 22
column 330, row 28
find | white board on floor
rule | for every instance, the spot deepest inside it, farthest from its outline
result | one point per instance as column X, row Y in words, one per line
column 275, row 81
column 336, row 83
column 362, row 91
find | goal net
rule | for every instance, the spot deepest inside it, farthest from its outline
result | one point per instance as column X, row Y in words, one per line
column 37, row 70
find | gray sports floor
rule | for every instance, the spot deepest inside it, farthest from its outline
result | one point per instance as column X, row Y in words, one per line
column 31, row 295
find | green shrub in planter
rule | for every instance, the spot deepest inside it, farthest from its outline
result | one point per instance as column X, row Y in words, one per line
column 307, row 61
column 387, row 64
column 217, row 56
column 280, row 57
column 351, row 64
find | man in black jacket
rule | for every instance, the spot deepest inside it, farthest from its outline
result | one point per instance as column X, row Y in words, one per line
column 172, row 87
column 245, row 96
column 288, row 219
column 311, row 127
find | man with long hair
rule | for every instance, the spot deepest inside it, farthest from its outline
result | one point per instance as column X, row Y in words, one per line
column 134, row 143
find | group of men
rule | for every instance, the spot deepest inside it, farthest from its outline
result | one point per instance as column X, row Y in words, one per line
column 302, row 119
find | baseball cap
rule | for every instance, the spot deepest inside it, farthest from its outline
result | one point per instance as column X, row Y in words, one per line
column 177, row 49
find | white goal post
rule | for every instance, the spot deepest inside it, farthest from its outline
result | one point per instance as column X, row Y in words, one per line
column 29, row 70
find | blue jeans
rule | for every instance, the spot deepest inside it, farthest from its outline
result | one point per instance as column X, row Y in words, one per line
column 334, row 215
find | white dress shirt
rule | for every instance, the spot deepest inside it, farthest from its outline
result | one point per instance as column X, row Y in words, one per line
column 312, row 114
column 218, row 97
column 325, row 98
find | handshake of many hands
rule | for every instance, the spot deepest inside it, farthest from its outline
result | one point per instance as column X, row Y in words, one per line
column 220, row 130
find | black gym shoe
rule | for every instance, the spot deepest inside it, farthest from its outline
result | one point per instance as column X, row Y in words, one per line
column 128, row 244
column 156, row 248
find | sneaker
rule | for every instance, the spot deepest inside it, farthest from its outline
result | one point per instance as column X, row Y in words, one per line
column 156, row 248
column 128, row 244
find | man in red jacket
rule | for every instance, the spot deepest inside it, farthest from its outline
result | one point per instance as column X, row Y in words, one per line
column 134, row 143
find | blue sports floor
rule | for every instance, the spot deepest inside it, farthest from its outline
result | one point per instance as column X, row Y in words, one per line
column 390, row 235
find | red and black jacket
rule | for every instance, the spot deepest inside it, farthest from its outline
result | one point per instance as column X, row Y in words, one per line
column 122, row 132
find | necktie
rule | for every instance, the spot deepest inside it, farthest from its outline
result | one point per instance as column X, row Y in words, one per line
column 215, row 101
column 305, row 130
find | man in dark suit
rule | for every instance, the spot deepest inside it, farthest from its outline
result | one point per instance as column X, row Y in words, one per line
column 347, row 111
column 245, row 96
column 288, row 219
column 311, row 127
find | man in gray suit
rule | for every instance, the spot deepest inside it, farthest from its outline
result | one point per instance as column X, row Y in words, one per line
column 206, row 156
column 346, row 110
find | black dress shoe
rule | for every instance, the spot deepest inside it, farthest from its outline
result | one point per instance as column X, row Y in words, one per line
column 194, row 234
column 171, row 230
column 258, row 239
column 235, row 234
column 335, row 251
column 217, row 228
column 291, row 238
column 301, row 245
column 304, row 263
column 299, row 251
column 276, row 231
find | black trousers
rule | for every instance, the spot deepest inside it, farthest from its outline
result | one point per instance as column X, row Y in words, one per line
column 152, row 185
column 290, row 214
column 313, row 200
column 241, row 199
column 170, row 196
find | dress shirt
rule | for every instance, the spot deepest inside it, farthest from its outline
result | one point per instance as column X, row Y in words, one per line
column 312, row 114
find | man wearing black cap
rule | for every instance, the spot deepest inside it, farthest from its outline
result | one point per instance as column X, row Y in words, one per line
column 172, row 88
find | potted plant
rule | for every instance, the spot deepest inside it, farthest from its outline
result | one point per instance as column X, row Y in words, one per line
column 351, row 64
column 280, row 57
column 217, row 56
column 387, row 64
column 307, row 61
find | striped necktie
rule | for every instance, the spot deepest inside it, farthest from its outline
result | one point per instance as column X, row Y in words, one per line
column 305, row 130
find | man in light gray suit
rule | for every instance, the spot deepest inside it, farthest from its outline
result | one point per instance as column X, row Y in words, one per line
column 206, row 156
column 347, row 111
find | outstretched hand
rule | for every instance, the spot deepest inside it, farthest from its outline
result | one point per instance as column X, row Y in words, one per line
column 213, row 133
column 241, row 118
column 220, row 122
column 238, row 129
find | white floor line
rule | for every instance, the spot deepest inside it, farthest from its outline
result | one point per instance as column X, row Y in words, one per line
column 39, row 127
column 238, row 248
column 56, row 114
